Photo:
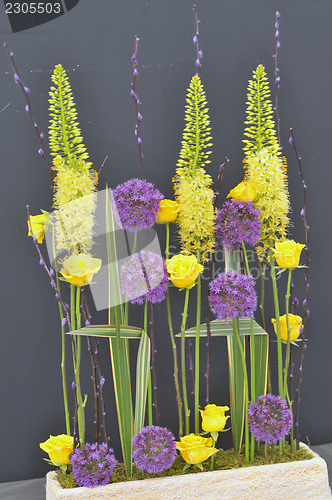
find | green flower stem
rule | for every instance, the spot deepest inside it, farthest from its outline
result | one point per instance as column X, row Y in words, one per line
column 212, row 456
column 175, row 362
column 183, row 361
column 126, row 307
column 253, row 357
column 277, row 318
column 167, row 241
column 288, row 332
column 63, row 340
column 198, row 324
column 77, row 366
column 246, row 388
column 146, row 303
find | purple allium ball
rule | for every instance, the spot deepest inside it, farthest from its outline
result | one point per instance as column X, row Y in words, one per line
column 232, row 295
column 144, row 278
column 137, row 202
column 269, row 419
column 238, row 221
column 154, row 449
column 94, row 467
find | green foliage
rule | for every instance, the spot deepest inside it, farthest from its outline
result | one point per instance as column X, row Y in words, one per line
column 196, row 135
column 64, row 133
column 260, row 130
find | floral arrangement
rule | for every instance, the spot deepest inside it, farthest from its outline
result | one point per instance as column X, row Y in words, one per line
column 256, row 215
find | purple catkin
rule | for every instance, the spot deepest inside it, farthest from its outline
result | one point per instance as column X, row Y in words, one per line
column 139, row 117
column 35, row 239
column 26, row 90
column 40, row 152
column 73, row 385
column 195, row 39
column 16, row 78
column 64, row 321
column 52, row 273
column 278, row 15
column 232, row 295
column 295, row 302
column 291, row 140
column 277, row 35
column 154, row 449
column 137, row 202
column 146, row 270
column 135, row 73
column 57, row 296
column 139, row 141
column 41, row 136
column 302, row 212
column 277, row 80
column 41, row 262
column 269, row 419
column 237, row 221
column 27, row 109
column 102, row 382
column 278, row 45
column 87, row 322
column 94, row 467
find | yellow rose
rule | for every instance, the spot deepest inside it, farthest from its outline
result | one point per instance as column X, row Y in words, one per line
column 36, row 226
column 78, row 269
column 213, row 418
column 243, row 192
column 59, row 448
column 287, row 253
column 195, row 449
column 168, row 211
column 295, row 324
column 183, row 270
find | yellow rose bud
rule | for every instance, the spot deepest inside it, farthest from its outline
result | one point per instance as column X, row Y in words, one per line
column 213, row 418
column 78, row 269
column 295, row 324
column 243, row 192
column 195, row 449
column 59, row 448
column 183, row 270
column 168, row 211
column 287, row 253
column 36, row 226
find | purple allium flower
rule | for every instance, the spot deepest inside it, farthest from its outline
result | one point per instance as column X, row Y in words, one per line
column 269, row 419
column 232, row 295
column 237, row 221
column 144, row 278
column 95, row 466
column 154, row 449
column 137, row 202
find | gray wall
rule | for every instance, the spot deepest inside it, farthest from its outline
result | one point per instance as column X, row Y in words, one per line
column 94, row 42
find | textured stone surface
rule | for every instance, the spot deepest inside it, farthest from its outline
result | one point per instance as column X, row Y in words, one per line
column 295, row 480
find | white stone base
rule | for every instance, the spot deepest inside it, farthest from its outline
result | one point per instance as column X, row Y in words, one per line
column 306, row 479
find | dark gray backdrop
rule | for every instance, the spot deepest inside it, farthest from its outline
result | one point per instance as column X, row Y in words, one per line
column 94, row 42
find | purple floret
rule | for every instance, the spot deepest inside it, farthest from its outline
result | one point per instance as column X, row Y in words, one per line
column 232, row 295
column 137, row 202
column 237, row 221
column 144, row 278
column 269, row 419
column 94, row 467
column 154, row 449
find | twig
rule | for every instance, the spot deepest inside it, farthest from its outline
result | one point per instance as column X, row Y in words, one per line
column 26, row 93
column 306, row 281
column 137, row 113
column 216, row 195
column 277, row 77
column 154, row 374
column 199, row 53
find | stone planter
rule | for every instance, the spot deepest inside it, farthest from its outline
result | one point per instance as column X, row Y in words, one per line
column 306, row 479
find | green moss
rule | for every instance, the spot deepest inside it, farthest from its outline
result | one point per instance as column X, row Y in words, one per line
column 224, row 459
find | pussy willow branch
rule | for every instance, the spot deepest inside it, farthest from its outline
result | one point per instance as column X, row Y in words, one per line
column 95, row 355
column 137, row 113
column 199, row 54
column 208, row 339
column 26, row 93
column 93, row 367
column 306, row 281
column 277, row 77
